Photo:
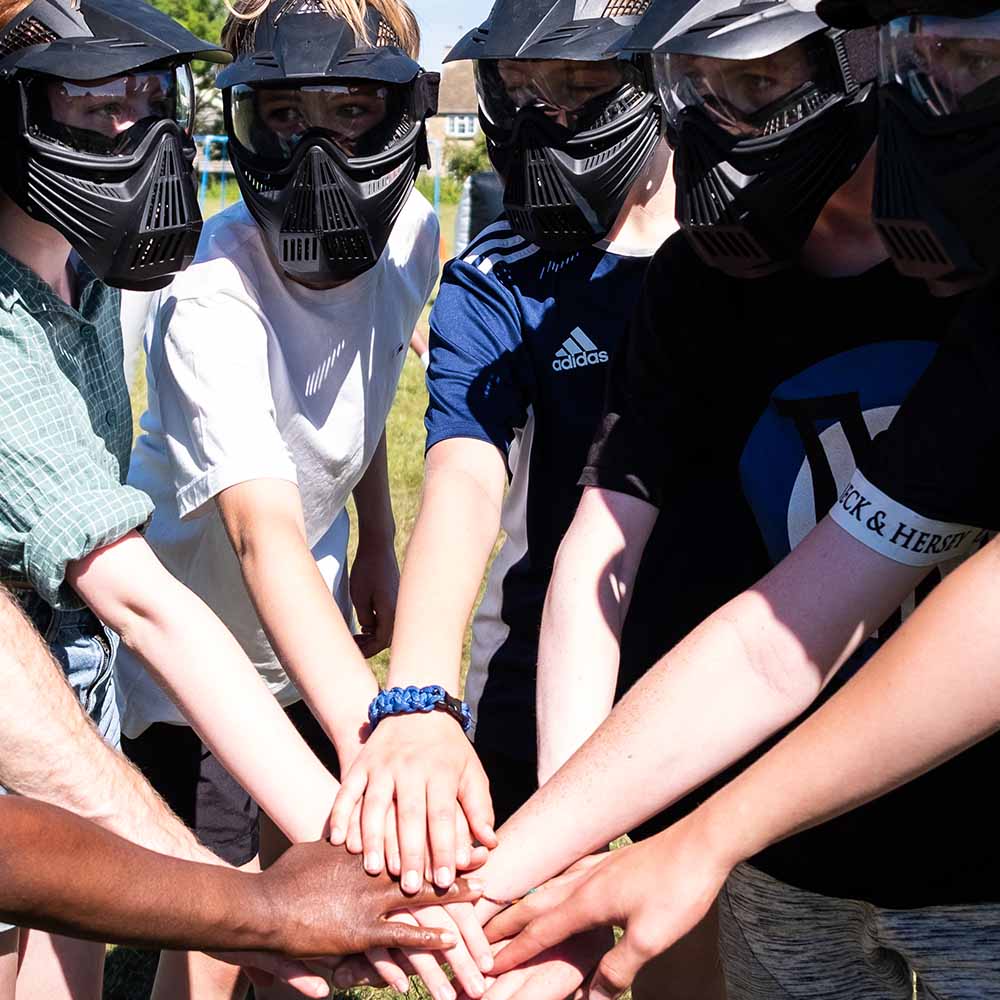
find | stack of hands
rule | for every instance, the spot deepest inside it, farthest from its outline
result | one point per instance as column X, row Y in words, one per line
column 415, row 807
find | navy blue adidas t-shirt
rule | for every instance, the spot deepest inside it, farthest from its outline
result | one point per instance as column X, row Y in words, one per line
column 521, row 343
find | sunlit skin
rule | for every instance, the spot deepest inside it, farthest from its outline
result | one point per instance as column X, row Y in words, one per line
column 347, row 112
column 111, row 107
column 558, row 87
column 734, row 90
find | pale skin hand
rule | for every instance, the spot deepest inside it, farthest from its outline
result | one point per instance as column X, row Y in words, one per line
column 616, row 891
column 424, row 764
column 931, row 692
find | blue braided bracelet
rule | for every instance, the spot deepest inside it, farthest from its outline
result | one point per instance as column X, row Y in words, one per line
column 403, row 701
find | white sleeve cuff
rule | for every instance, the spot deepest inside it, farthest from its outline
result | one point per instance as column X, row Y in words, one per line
column 893, row 530
column 191, row 499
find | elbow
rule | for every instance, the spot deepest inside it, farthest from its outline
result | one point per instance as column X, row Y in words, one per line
column 775, row 656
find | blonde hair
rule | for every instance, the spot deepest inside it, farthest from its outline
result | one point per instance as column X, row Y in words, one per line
column 9, row 9
column 399, row 28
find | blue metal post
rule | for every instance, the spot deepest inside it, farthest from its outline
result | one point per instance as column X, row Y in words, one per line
column 225, row 173
column 203, row 189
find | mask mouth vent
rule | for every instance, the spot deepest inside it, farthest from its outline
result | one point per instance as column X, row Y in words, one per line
column 162, row 252
column 544, row 187
column 734, row 245
column 320, row 221
column 166, row 207
column 915, row 249
column 538, row 200
column 165, row 238
column 625, row 8
column 29, row 32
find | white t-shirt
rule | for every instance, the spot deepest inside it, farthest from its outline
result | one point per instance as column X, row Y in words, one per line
column 252, row 376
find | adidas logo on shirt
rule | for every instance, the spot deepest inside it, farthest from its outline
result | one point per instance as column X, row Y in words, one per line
column 578, row 351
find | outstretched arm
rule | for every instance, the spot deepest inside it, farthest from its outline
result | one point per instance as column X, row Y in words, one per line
column 585, row 609
column 314, row 902
column 51, row 751
column 195, row 658
column 424, row 762
column 932, row 691
column 748, row 670
column 264, row 521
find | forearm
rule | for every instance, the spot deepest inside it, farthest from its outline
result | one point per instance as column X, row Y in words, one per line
column 52, row 752
column 201, row 666
column 930, row 693
column 376, row 524
column 585, row 609
column 748, row 670
column 309, row 635
column 122, row 893
column 452, row 540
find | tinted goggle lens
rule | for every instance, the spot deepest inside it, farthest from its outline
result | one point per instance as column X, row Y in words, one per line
column 748, row 98
column 111, row 116
column 571, row 93
column 271, row 121
column 947, row 65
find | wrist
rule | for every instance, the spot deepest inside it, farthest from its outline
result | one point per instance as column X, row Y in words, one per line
column 719, row 834
column 269, row 921
column 413, row 700
column 377, row 531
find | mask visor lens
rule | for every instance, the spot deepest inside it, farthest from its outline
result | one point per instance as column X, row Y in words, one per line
column 750, row 98
column 109, row 117
column 362, row 117
column 575, row 94
column 948, row 65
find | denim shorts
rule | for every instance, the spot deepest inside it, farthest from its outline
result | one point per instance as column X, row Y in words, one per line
column 85, row 650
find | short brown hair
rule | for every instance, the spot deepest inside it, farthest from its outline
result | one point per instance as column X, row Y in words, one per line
column 400, row 22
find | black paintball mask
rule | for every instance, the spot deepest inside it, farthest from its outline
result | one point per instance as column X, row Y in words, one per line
column 568, row 128
column 327, row 135
column 937, row 188
column 773, row 112
column 98, row 103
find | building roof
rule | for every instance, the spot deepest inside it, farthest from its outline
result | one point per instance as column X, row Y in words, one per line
column 458, row 89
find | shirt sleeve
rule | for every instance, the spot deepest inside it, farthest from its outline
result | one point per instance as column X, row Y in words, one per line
column 478, row 372
column 58, row 503
column 930, row 484
column 209, row 365
column 650, row 423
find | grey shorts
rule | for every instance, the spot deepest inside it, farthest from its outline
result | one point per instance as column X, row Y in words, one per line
column 782, row 943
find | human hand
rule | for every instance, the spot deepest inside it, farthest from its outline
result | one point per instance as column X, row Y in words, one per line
column 263, row 969
column 374, row 586
column 466, row 959
column 617, row 892
column 422, row 765
column 555, row 973
column 322, row 903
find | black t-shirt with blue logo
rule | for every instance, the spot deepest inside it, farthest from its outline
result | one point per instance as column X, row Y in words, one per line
column 786, row 382
column 521, row 343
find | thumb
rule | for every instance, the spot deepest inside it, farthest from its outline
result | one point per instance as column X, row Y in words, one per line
column 617, row 970
column 392, row 934
column 462, row 890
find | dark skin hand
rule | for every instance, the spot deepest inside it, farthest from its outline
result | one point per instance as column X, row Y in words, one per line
column 316, row 901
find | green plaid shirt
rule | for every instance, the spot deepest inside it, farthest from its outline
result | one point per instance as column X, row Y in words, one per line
column 65, row 430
